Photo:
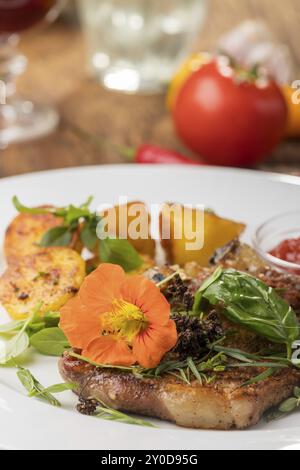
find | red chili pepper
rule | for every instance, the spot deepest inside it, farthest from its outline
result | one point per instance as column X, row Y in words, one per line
column 151, row 154
column 145, row 154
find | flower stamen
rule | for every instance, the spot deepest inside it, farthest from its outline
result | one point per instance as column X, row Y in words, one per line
column 124, row 320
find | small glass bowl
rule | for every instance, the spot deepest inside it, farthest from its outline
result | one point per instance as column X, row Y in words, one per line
column 274, row 231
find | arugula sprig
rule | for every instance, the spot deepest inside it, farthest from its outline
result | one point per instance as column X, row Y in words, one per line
column 252, row 304
column 86, row 222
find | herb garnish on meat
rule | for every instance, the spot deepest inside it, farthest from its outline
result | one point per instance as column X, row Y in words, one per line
column 249, row 302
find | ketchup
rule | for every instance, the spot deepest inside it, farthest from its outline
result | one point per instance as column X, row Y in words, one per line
column 288, row 250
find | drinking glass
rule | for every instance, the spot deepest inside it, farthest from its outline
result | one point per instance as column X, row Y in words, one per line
column 136, row 45
column 20, row 119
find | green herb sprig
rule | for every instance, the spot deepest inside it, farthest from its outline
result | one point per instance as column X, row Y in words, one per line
column 252, row 304
column 14, row 337
column 82, row 220
column 186, row 370
column 40, row 332
column 36, row 390
column 72, row 217
column 106, row 412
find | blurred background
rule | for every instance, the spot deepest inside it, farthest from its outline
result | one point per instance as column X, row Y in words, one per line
column 108, row 74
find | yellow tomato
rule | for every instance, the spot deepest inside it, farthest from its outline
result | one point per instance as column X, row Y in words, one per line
column 293, row 125
column 193, row 63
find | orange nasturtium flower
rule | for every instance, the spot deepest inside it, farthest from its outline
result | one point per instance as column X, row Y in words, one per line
column 119, row 320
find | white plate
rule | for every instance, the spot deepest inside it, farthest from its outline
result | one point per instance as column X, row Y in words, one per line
column 243, row 195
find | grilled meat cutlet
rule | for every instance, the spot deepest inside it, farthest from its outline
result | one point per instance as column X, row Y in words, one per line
column 221, row 405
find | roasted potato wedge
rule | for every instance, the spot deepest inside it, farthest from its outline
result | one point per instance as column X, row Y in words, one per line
column 142, row 246
column 217, row 232
column 51, row 276
column 26, row 231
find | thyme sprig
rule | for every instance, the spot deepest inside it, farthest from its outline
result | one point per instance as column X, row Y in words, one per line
column 187, row 370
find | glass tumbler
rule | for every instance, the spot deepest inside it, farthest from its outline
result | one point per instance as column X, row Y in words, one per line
column 137, row 45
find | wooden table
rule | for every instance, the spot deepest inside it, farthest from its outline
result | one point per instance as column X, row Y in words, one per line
column 57, row 75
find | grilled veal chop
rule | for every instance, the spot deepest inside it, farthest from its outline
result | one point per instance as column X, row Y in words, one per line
column 221, row 404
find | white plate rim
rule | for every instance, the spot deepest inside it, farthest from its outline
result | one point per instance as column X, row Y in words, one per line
column 171, row 437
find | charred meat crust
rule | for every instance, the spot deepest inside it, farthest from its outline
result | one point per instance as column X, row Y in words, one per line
column 222, row 405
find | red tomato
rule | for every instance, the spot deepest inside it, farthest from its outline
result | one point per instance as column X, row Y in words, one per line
column 229, row 122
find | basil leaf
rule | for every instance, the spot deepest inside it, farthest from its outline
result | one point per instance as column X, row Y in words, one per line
column 121, row 252
column 88, row 234
column 199, row 294
column 249, row 302
column 50, row 342
column 57, row 236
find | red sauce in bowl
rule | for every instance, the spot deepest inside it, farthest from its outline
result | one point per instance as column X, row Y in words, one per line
column 288, row 250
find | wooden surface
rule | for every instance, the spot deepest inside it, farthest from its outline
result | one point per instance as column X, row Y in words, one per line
column 57, row 75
